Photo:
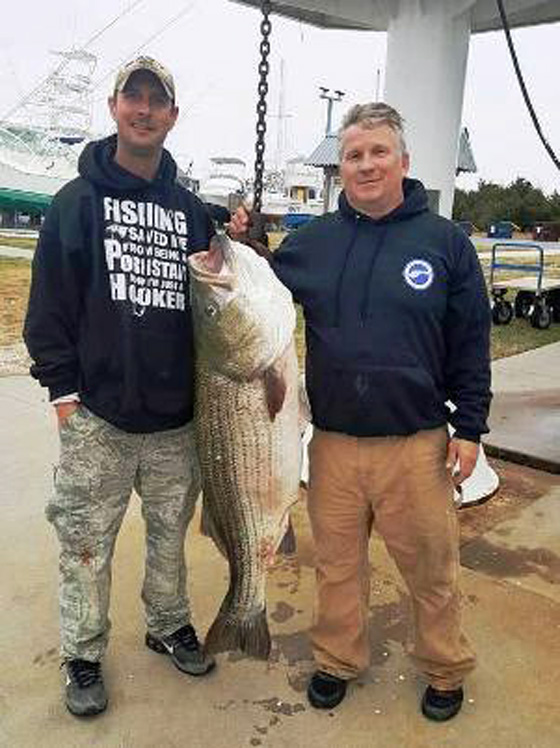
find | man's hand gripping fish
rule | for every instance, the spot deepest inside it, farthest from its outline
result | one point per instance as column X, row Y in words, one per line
column 247, row 427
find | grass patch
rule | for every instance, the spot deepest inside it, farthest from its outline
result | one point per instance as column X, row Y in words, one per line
column 300, row 338
column 275, row 239
column 519, row 336
column 15, row 276
column 21, row 242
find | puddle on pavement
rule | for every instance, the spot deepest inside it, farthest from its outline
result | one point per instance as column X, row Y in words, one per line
column 282, row 612
column 482, row 555
column 520, row 486
column 498, row 561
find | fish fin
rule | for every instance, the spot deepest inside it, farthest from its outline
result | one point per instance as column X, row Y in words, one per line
column 275, row 389
column 250, row 635
column 287, row 545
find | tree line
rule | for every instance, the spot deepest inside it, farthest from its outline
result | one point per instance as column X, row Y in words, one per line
column 519, row 202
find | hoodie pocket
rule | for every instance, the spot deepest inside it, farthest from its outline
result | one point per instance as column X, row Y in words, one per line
column 166, row 366
column 375, row 401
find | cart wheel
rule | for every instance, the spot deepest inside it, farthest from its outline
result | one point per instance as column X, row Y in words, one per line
column 554, row 298
column 541, row 316
column 522, row 304
column 502, row 312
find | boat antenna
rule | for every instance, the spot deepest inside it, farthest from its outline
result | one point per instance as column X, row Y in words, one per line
column 24, row 100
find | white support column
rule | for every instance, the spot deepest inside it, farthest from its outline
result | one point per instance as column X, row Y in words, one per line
column 427, row 50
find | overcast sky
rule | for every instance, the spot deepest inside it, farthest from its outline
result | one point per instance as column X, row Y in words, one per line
column 212, row 49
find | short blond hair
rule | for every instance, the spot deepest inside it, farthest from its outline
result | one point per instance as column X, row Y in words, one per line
column 371, row 115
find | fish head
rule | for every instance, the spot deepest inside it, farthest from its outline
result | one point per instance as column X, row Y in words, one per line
column 215, row 298
column 212, row 275
column 243, row 317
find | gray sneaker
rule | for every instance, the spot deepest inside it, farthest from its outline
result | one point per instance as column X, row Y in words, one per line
column 184, row 649
column 85, row 692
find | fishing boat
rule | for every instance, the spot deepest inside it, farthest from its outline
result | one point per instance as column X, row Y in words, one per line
column 37, row 159
column 296, row 189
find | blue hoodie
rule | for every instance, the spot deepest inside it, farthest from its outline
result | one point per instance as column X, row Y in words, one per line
column 397, row 320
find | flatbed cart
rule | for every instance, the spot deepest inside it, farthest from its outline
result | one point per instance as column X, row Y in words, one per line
column 537, row 299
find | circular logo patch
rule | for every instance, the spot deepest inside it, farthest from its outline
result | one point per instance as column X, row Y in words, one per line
column 419, row 274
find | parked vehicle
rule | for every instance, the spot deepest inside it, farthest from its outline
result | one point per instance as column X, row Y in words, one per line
column 547, row 231
column 502, row 229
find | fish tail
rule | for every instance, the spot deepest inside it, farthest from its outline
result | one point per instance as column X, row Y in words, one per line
column 250, row 635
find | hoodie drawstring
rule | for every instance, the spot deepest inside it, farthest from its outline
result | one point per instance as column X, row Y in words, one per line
column 367, row 291
column 343, row 271
column 369, row 278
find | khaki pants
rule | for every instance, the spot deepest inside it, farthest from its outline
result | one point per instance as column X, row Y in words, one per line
column 399, row 484
column 99, row 467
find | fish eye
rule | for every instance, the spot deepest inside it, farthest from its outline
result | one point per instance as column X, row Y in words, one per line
column 210, row 310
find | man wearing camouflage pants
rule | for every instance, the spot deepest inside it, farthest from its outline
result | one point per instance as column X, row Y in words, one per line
column 109, row 330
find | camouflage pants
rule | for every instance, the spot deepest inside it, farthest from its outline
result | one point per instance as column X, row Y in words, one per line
column 99, row 467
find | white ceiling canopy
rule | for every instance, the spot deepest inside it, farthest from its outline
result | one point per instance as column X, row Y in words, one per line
column 376, row 15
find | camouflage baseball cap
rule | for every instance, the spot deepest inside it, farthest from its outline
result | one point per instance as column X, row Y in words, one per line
column 152, row 66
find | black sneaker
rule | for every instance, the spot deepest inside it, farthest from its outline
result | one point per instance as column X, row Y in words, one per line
column 184, row 649
column 325, row 691
column 441, row 705
column 85, row 692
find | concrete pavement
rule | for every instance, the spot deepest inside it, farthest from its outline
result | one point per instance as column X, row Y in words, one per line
column 525, row 413
column 19, row 253
column 483, row 244
column 511, row 583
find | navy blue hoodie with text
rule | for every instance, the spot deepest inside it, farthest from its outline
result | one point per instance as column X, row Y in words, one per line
column 108, row 314
column 397, row 320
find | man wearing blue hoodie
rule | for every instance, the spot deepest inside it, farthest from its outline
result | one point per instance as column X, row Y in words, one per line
column 109, row 330
column 396, row 324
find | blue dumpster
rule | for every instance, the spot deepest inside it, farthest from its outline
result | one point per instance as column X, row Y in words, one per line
column 295, row 220
column 501, row 230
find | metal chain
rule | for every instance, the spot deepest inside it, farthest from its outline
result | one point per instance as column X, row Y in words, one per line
column 264, row 67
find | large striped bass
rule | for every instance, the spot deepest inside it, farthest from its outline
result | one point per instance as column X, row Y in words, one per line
column 246, row 417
